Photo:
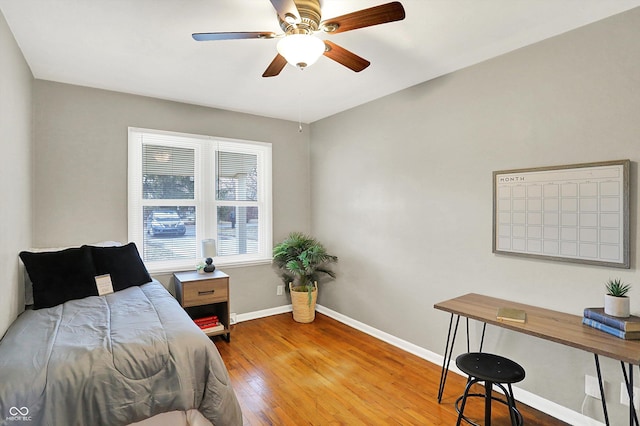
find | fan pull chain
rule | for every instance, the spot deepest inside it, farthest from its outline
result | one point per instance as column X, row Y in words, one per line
column 300, row 112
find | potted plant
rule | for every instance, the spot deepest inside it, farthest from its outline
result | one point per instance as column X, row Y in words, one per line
column 616, row 302
column 302, row 260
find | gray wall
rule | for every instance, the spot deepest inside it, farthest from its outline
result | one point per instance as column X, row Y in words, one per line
column 81, row 171
column 402, row 193
column 15, row 171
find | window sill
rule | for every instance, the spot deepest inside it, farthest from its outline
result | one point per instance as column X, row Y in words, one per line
column 219, row 265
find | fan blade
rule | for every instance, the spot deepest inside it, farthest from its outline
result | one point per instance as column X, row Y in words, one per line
column 287, row 10
column 231, row 35
column 275, row 66
column 344, row 57
column 376, row 15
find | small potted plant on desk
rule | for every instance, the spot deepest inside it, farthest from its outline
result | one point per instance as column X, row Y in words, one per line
column 301, row 260
column 616, row 302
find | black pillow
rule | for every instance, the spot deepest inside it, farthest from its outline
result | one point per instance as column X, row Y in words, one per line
column 123, row 263
column 60, row 275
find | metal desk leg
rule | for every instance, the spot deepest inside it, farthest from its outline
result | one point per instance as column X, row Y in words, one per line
column 448, row 351
column 468, row 346
column 628, row 380
column 604, row 403
column 484, row 327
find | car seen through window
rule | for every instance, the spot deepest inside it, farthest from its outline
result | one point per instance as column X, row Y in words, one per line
column 165, row 223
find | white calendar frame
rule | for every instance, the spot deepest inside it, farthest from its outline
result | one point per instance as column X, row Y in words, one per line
column 571, row 213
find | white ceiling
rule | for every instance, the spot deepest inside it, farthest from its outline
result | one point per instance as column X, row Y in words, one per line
column 145, row 47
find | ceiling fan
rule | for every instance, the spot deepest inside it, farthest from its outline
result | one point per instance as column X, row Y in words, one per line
column 300, row 19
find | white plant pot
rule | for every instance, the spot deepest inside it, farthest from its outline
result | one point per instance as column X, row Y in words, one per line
column 616, row 306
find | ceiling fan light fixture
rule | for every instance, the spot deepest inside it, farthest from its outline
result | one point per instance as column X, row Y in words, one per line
column 301, row 50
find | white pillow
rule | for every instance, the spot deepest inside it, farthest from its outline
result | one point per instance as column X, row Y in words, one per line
column 28, row 286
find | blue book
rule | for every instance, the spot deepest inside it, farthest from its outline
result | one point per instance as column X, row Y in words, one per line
column 630, row 323
column 627, row 335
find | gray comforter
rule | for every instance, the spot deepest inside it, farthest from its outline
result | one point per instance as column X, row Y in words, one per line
column 111, row 360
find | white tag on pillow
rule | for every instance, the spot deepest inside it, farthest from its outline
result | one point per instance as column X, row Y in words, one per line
column 103, row 282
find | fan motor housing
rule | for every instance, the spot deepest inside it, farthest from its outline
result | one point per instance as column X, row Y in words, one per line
column 310, row 16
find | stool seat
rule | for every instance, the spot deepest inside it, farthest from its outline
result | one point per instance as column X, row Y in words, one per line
column 492, row 370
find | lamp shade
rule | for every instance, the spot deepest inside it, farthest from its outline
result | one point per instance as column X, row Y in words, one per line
column 301, row 50
column 209, row 248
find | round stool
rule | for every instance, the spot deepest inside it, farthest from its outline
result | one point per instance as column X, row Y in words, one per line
column 492, row 370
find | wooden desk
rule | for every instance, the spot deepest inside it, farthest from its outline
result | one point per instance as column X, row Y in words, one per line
column 558, row 327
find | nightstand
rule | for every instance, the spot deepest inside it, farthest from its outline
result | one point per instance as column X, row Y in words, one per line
column 203, row 295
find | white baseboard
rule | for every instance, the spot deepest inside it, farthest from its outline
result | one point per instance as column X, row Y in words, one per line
column 526, row 397
column 264, row 313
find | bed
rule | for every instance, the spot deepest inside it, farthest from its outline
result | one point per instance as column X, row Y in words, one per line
column 130, row 356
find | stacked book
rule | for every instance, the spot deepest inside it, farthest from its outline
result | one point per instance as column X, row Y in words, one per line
column 625, row 328
column 209, row 324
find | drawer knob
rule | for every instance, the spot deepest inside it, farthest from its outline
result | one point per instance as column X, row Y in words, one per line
column 203, row 293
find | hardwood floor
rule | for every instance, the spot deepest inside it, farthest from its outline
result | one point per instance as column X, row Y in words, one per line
column 326, row 373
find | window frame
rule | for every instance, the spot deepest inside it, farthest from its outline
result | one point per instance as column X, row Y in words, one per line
column 205, row 199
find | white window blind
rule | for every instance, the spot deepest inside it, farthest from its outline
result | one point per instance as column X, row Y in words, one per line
column 187, row 188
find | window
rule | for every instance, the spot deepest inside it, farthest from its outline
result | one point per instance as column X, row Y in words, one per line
column 187, row 188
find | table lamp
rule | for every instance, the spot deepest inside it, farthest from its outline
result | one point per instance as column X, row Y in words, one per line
column 209, row 252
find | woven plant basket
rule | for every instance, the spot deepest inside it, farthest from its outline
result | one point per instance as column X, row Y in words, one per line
column 302, row 311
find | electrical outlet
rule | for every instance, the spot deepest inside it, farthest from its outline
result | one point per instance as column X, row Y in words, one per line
column 624, row 396
column 280, row 290
column 591, row 387
column 232, row 318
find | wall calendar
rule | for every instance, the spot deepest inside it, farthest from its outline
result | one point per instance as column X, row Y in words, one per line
column 574, row 213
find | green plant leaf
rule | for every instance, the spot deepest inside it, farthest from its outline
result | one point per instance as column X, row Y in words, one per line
column 303, row 259
column 615, row 287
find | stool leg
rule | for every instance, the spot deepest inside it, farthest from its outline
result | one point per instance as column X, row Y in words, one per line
column 470, row 382
column 511, row 404
column 488, row 387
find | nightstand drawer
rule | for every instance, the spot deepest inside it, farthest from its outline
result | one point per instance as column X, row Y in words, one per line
column 205, row 292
